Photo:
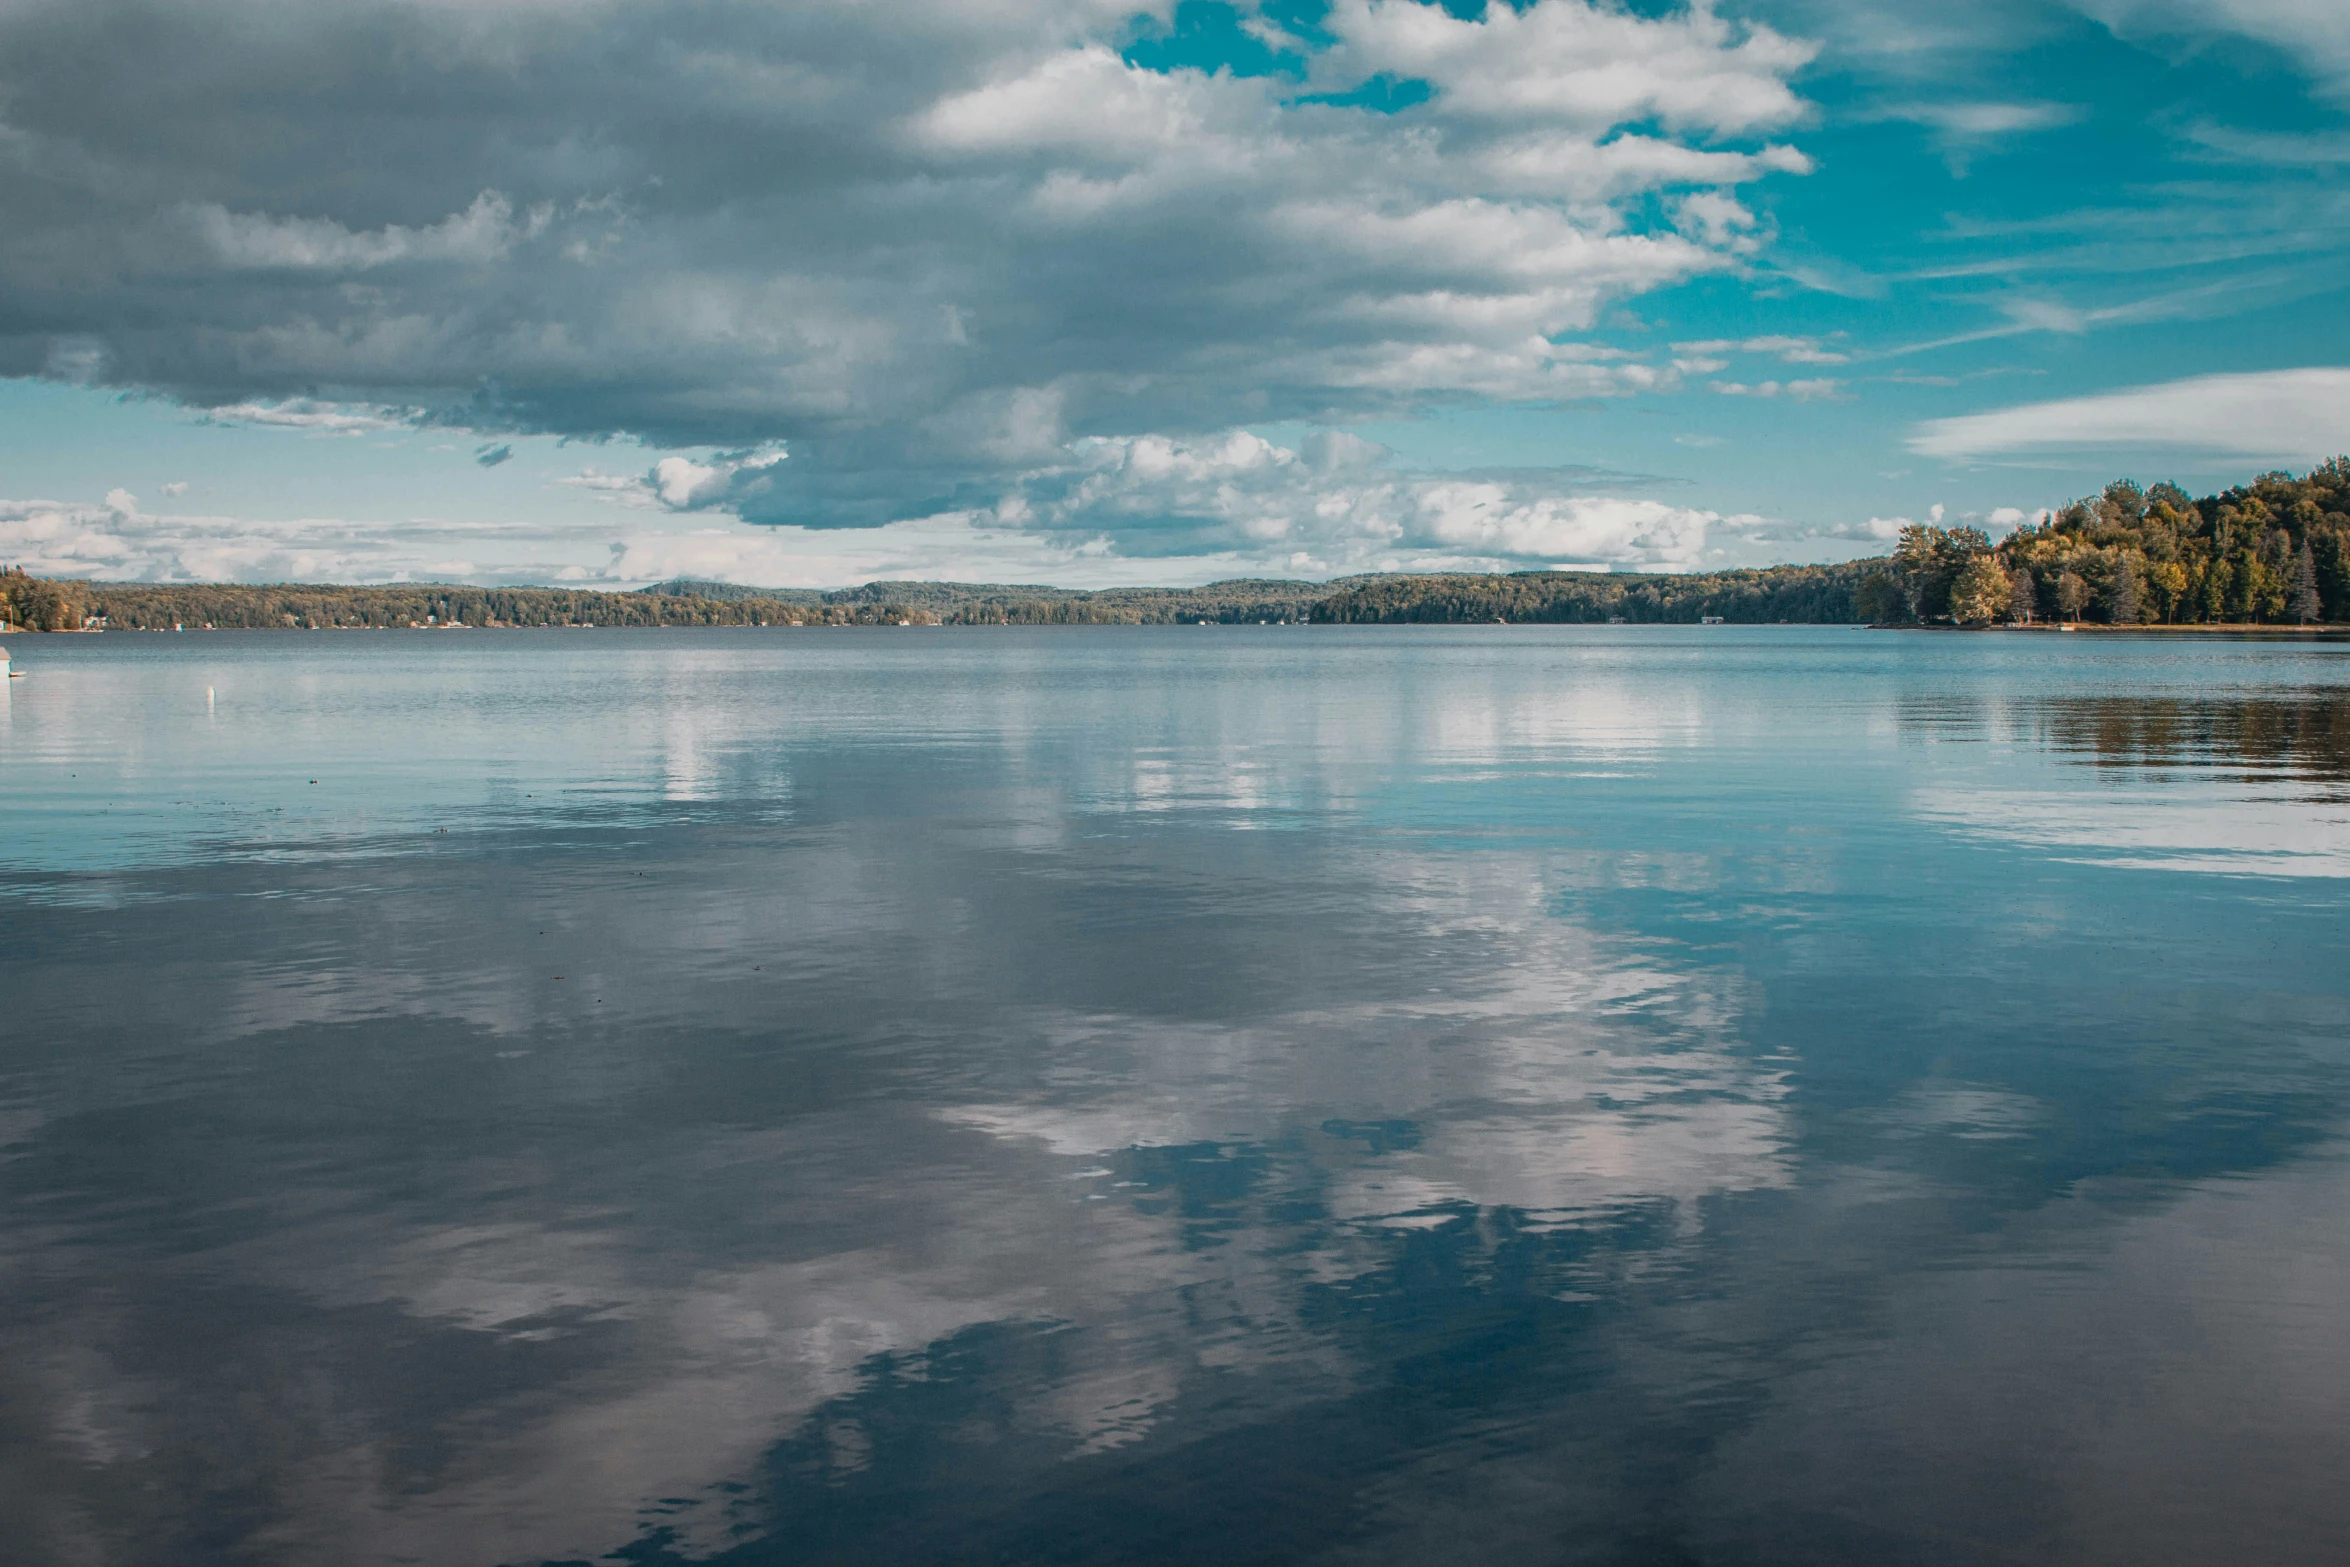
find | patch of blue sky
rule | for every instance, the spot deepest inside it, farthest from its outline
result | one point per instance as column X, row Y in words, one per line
column 1202, row 35
column 2035, row 212
column 1273, row 40
column 2068, row 215
column 73, row 443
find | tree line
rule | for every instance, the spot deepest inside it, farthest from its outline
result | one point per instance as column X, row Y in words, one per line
column 1034, row 604
column 1782, row 593
column 2272, row 552
column 1813, row 594
column 40, row 605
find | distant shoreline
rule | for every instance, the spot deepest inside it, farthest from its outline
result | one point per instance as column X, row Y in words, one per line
column 1790, row 594
column 2201, row 628
column 2314, row 630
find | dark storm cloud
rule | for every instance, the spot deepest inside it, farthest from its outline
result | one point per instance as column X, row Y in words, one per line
column 930, row 249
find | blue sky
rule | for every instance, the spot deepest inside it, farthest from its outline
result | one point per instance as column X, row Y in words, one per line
column 1059, row 290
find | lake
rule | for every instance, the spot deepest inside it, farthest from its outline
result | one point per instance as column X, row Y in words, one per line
column 1183, row 1095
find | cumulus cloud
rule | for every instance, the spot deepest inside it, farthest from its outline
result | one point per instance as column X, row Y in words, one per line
column 1585, row 68
column 1330, row 504
column 1333, row 505
column 931, row 248
column 2284, row 415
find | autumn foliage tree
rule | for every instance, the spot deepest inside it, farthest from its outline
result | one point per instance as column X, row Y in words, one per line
column 1982, row 592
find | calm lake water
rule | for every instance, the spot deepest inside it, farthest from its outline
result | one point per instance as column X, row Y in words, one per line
column 1349, row 1095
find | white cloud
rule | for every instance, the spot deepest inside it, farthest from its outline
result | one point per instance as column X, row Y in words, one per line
column 1577, row 66
column 1809, row 391
column 315, row 415
column 1717, row 220
column 1332, row 505
column 1983, row 121
column 1874, row 530
column 620, row 489
column 1539, row 164
column 1789, row 350
column 714, row 482
column 686, row 485
column 118, row 541
column 2284, row 415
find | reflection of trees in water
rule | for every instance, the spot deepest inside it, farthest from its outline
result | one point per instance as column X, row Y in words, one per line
column 2303, row 736
column 1929, row 716
column 2297, row 735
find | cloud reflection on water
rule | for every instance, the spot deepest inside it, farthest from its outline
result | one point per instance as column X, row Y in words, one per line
column 915, row 1140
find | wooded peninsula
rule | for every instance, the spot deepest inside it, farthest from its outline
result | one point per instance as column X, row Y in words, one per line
column 2275, row 551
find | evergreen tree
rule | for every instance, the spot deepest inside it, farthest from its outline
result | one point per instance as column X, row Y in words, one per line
column 2301, row 601
column 2071, row 594
column 2121, row 599
column 2023, row 597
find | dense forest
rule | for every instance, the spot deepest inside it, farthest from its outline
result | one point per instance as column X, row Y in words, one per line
column 1779, row 593
column 2273, row 552
column 961, row 603
column 42, row 605
column 136, row 606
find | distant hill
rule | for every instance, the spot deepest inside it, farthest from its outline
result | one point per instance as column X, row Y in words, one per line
column 730, row 592
column 1035, row 604
column 977, row 603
